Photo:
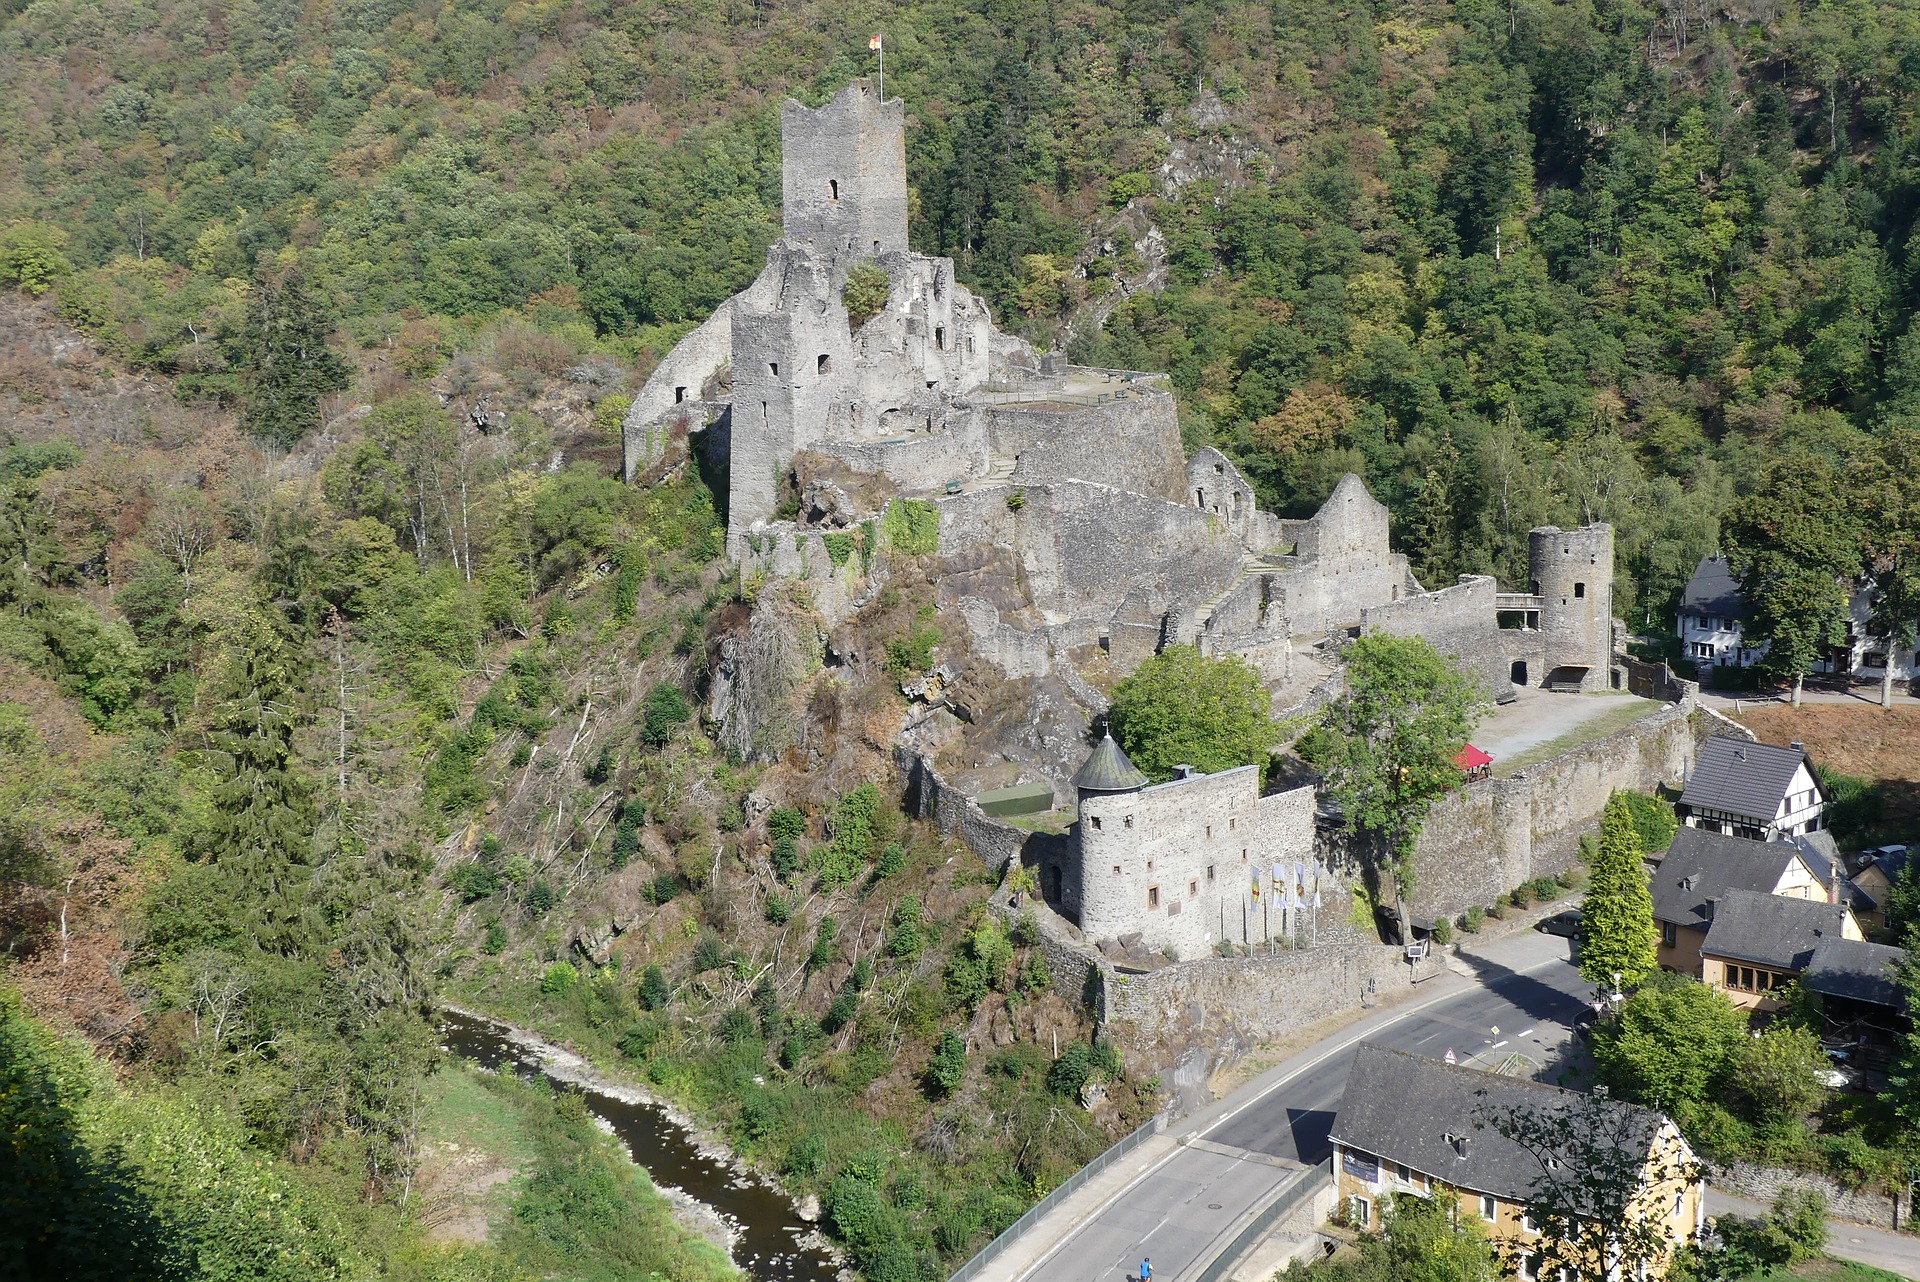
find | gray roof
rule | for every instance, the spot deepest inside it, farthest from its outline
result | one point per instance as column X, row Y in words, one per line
column 1742, row 778
column 1107, row 769
column 1772, row 930
column 1702, row 865
column 1855, row 970
column 1404, row 1108
column 1714, row 591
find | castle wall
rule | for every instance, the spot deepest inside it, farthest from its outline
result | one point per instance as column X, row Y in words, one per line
column 1216, row 486
column 1084, row 548
column 1460, row 623
column 1487, row 837
column 1131, row 443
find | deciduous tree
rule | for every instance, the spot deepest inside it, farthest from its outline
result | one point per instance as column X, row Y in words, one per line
column 1182, row 708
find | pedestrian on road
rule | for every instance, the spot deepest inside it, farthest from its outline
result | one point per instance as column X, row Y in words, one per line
column 1146, row 1271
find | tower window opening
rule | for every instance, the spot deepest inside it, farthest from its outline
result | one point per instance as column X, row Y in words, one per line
column 876, row 246
column 775, row 367
column 1153, row 896
column 1579, row 589
column 833, row 189
column 823, row 365
column 969, row 345
column 679, row 395
column 940, row 337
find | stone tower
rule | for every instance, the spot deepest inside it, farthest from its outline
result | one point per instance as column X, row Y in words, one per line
column 843, row 178
column 1113, row 881
column 1572, row 573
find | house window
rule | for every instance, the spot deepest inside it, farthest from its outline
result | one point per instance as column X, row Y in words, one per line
column 1209, row 832
column 1669, row 934
column 1209, row 872
column 1193, row 888
column 1360, row 1211
column 1527, row 1225
column 1149, row 865
column 1579, row 590
column 1095, row 820
column 1116, row 870
column 1232, row 824
column 1489, row 1208
column 1153, row 897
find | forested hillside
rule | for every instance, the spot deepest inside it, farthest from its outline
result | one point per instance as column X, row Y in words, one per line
column 339, row 672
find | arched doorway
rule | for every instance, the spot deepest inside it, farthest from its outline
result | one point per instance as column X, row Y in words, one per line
column 1518, row 673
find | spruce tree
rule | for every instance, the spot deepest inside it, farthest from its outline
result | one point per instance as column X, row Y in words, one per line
column 1430, row 532
column 261, row 834
column 1620, row 937
column 283, row 357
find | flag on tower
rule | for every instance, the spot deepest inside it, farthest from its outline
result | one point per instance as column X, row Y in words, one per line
column 874, row 42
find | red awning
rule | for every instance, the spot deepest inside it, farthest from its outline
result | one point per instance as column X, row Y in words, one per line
column 1471, row 758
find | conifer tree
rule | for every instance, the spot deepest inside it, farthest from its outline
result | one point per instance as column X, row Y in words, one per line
column 1620, row 937
column 283, row 355
column 1430, row 532
column 261, row 834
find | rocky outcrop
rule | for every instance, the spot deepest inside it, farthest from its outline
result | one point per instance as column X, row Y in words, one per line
column 759, row 672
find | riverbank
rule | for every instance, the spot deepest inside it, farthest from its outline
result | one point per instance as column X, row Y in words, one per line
column 715, row 1194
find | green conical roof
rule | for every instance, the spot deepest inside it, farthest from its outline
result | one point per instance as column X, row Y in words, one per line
column 1108, row 770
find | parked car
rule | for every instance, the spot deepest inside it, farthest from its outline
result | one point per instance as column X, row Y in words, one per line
column 1566, row 924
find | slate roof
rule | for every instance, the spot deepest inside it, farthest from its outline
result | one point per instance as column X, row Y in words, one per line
column 1855, row 970
column 1107, row 769
column 1702, row 865
column 1401, row 1107
column 1771, row 930
column 1742, row 778
column 1713, row 591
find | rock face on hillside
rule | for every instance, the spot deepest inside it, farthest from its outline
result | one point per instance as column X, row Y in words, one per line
column 759, row 674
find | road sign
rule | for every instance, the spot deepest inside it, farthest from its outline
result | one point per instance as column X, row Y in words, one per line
column 1451, row 1058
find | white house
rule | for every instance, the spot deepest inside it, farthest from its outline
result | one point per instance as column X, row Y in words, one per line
column 1713, row 615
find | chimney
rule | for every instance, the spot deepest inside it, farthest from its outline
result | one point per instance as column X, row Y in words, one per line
column 1833, row 883
column 1798, row 746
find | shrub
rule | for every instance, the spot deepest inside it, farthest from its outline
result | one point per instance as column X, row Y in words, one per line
column 840, row 546
column 760, row 1116
column 913, row 652
column 475, row 881
column 799, row 1043
column 1443, row 932
column 638, row 1041
column 1653, row 819
column 912, row 526
column 1521, row 895
column 787, row 823
column 654, row 991
column 737, row 1026
column 823, row 940
column 948, row 1067
column 865, row 293
column 666, row 711
column 893, row 860
column 496, row 940
column 807, row 1157
column 540, row 897
column 1071, row 1071
column 779, row 909
column 601, row 768
column 908, row 935
column 1472, row 919
column 841, row 1012
column 665, row 886
column 560, row 978
column 708, row 952
column 1544, row 888
column 786, row 857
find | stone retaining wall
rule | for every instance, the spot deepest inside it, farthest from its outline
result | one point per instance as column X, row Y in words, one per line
column 1867, row 1205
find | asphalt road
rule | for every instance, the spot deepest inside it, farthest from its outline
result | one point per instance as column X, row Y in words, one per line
column 1181, row 1211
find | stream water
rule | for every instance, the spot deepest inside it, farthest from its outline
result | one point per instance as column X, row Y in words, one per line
column 767, row 1235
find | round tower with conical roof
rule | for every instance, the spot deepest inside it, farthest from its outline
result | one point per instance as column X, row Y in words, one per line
column 1111, row 888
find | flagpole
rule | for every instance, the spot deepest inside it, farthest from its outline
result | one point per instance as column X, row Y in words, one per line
column 883, row 67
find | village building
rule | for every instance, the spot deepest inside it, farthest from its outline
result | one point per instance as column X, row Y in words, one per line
column 1755, row 790
column 1714, row 615
column 1413, row 1126
column 1701, row 868
column 1863, row 1006
column 1758, row 943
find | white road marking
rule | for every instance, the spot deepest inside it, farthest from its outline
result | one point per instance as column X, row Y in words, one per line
column 1502, row 1042
column 1528, row 1033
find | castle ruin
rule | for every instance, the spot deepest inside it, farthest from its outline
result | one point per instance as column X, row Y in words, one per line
column 1073, row 531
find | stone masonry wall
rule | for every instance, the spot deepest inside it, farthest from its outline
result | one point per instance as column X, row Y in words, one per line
column 1867, row 1205
column 1489, row 836
column 1458, row 622
column 1131, row 443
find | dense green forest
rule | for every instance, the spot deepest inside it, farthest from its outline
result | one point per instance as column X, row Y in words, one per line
column 338, row 671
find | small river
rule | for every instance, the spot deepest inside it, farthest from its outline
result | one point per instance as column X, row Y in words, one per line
column 767, row 1234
